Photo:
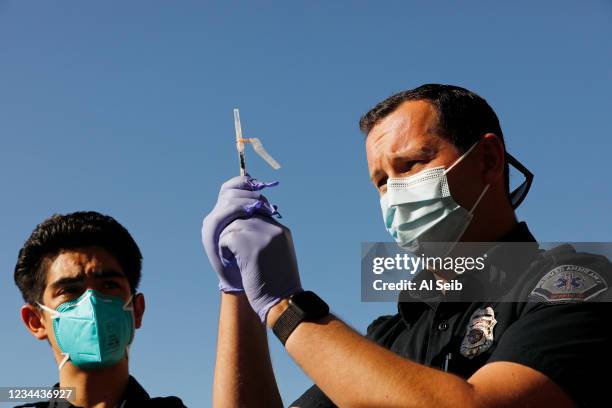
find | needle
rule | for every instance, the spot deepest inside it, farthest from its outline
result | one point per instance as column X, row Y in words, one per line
column 239, row 141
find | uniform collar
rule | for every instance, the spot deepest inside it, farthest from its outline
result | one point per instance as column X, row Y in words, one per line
column 515, row 251
column 520, row 233
column 133, row 393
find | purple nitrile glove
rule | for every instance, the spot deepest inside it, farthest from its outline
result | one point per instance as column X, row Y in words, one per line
column 238, row 198
column 262, row 248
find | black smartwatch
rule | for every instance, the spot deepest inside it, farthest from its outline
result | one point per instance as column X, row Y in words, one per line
column 303, row 306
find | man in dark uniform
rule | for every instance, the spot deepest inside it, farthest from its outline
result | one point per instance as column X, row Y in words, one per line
column 534, row 337
column 78, row 274
column 557, row 333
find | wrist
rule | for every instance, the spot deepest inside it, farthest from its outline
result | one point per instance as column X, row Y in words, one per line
column 227, row 288
column 275, row 312
column 287, row 315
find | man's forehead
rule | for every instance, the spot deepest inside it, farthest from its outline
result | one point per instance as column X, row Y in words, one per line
column 411, row 117
column 82, row 261
column 409, row 129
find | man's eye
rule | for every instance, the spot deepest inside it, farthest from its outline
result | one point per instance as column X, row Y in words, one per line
column 408, row 166
column 70, row 289
column 381, row 183
column 111, row 285
column 69, row 292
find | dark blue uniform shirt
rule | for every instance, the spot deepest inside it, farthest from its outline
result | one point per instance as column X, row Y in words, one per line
column 554, row 331
column 134, row 396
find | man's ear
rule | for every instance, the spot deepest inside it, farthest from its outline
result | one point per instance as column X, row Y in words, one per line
column 494, row 158
column 33, row 319
column 139, row 308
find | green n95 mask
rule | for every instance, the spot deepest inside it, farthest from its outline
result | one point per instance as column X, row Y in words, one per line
column 419, row 209
column 94, row 330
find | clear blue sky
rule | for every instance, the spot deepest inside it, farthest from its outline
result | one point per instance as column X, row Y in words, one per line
column 126, row 108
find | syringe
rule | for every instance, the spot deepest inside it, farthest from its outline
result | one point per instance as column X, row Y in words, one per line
column 239, row 141
column 255, row 142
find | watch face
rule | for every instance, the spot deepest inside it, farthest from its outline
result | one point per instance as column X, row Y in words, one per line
column 310, row 305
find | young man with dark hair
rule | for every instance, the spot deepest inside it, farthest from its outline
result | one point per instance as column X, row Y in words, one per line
column 437, row 157
column 78, row 274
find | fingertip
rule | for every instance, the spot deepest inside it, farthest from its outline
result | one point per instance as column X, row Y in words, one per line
column 260, row 185
column 237, row 182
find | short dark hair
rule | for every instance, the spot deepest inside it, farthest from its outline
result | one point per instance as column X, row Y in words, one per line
column 70, row 231
column 463, row 116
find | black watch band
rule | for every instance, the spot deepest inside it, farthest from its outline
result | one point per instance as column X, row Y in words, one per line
column 286, row 323
column 303, row 306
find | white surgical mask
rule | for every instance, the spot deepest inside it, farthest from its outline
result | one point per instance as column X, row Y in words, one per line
column 419, row 209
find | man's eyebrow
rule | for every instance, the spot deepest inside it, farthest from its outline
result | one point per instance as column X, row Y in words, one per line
column 98, row 274
column 108, row 273
column 427, row 149
column 68, row 281
column 426, row 152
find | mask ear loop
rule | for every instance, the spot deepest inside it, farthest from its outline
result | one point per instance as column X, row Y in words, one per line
column 64, row 361
column 129, row 307
column 470, row 212
column 463, row 156
column 55, row 314
column 459, row 161
column 479, row 198
column 129, row 304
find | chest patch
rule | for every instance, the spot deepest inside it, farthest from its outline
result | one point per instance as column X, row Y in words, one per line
column 569, row 283
column 479, row 334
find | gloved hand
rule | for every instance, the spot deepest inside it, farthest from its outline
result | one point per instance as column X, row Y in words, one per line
column 238, row 197
column 263, row 251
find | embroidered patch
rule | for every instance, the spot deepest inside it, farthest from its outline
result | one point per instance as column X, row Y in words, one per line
column 479, row 334
column 569, row 283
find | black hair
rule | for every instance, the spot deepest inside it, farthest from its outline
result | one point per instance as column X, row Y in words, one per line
column 79, row 229
column 463, row 116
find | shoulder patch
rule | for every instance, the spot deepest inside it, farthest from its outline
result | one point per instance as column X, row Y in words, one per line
column 569, row 283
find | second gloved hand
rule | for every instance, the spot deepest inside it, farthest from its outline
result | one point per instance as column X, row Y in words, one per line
column 263, row 251
column 238, row 197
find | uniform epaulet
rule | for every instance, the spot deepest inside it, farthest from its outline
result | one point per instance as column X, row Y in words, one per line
column 376, row 323
column 570, row 276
